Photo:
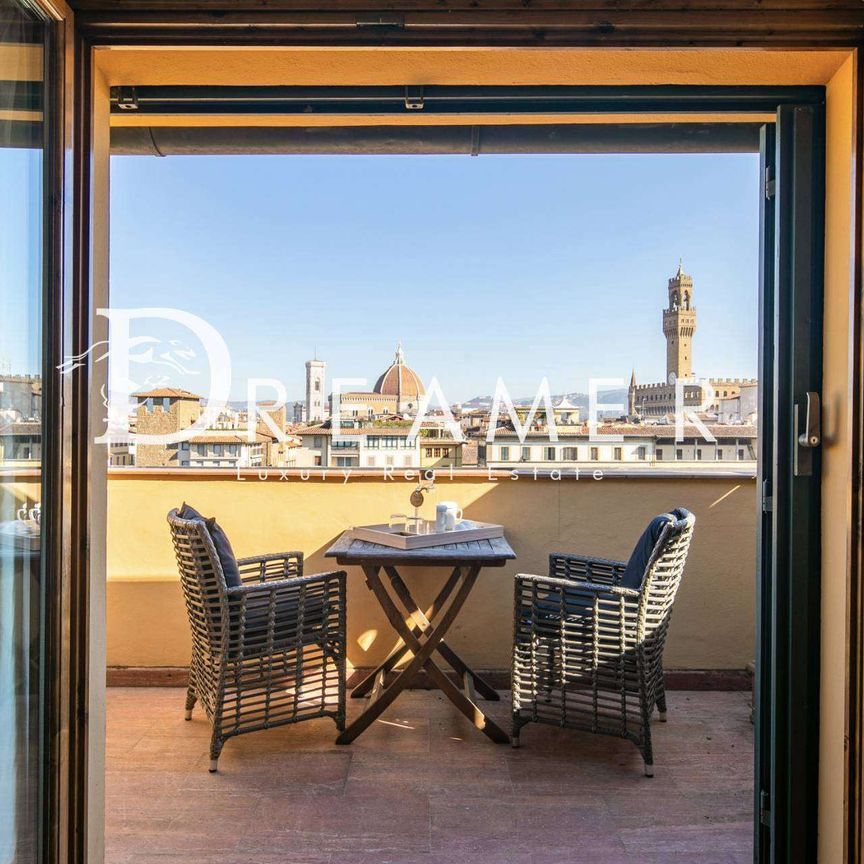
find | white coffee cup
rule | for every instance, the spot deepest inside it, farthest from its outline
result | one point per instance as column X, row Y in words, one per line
column 448, row 514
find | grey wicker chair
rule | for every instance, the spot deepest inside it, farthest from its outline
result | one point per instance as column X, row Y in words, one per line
column 266, row 653
column 588, row 653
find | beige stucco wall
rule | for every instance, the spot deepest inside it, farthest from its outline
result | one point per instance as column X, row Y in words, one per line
column 713, row 625
column 836, row 478
column 471, row 65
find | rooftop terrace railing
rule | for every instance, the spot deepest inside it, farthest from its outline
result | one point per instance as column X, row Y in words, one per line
column 713, row 626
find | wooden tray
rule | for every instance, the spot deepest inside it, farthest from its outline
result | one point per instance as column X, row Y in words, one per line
column 466, row 530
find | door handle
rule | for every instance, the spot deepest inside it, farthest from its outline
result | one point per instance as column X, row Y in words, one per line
column 808, row 434
column 812, row 434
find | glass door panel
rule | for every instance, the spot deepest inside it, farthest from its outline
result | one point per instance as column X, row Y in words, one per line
column 22, row 217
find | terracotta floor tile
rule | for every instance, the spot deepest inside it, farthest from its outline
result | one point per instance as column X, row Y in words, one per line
column 693, row 839
column 523, row 825
column 283, row 775
column 485, row 777
column 381, row 822
column 228, row 857
column 502, row 856
column 422, row 786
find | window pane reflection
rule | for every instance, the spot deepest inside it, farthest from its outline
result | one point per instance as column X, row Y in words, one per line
column 21, row 288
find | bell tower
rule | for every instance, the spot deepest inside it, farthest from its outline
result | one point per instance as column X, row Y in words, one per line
column 315, row 372
column 679, row 325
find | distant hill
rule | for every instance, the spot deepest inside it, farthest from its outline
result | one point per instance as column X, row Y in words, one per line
column 616, row 397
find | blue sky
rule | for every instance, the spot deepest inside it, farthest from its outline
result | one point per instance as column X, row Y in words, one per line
column 518, row 266
column 20, row 260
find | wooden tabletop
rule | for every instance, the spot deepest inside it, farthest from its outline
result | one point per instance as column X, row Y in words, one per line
column 486, row 553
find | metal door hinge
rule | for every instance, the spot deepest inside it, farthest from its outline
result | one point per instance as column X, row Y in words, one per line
column 765, row 809
column 391, row 21
column 127, row 99
column 770, row 182
column 414, row 98
column 767, row 500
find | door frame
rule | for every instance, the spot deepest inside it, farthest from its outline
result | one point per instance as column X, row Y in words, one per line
column 88, row 39
column 788, row 719
column 854, row 785
column 61, row 729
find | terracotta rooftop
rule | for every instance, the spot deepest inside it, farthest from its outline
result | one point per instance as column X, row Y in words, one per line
column 636, row 431
column 167, row 392
column 364, row 430
column 220, row 437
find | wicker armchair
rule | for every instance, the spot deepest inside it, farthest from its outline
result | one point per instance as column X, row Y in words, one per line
column 588, row 652
column 268, row 652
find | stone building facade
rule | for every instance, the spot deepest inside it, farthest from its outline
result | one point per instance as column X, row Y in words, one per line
column 161, row 412
column 20, row 419
column 679, row 327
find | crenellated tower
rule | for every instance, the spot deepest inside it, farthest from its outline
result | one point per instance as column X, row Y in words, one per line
column 679, row 325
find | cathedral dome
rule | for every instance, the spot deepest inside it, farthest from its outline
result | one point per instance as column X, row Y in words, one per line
column 400, row 380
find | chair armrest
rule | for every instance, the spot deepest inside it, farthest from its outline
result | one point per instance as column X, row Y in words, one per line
column 267, row 568
column 266, row 615
column 278, row 588
column 573, row 611
column 572, row 633
column 576, row 587
column 584, row 568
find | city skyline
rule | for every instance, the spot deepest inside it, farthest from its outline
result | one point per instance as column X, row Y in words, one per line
column 486, row 232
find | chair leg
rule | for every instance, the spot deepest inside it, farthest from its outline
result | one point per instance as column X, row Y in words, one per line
column 340, row 711
column 191, row 698
column 516, row 724
column 338, row 657
column 216, row 743
column 661, row 706
column 661, row 695
column 646, row 749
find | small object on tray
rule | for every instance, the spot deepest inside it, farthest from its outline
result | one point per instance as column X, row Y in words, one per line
column 396, row 537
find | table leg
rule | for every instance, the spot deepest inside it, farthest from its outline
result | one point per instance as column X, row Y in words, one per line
column 422, row 658
column 422, row 653
column 424, row 622
column 364, row 688
column 461, row 699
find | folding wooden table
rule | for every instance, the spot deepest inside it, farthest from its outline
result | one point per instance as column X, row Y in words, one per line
column 423, row 635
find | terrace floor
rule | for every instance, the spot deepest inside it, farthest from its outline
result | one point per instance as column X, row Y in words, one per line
column 421, row 786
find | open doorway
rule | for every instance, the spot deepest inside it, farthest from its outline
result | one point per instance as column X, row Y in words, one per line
column 657, row 320
column 780, row 225
column 67, row 97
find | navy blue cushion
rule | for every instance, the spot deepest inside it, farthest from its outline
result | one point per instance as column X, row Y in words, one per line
column 634, row 572
column 286, row 626
column 221, row 543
